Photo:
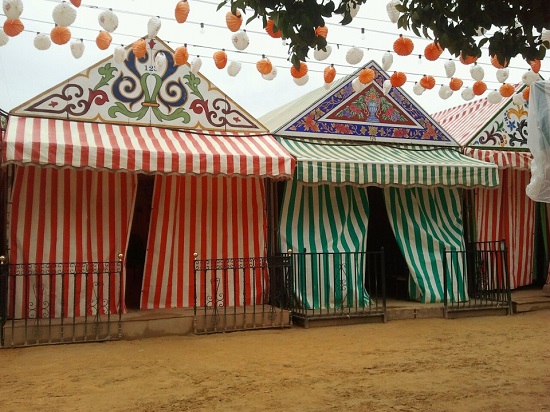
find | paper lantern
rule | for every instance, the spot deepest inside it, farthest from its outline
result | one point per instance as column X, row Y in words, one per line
column 427, row 82
column 518, row 99
column 233, row 68
column 60, row 35
column 329, row 74
column 450, row 68
column 264, row 66
column 220, row 59
column 477, row 72
column 398, row 79
column 298, row 73
column 526, row 92
column 432, row 51
column 4, row 38
column 108, row 20
column 13, row 9
column 320, row 54
column 506, row 90
column 196, row 64
column 455, row 83
column 367, row 75
column 502, row 75
column 387, row 60
column 357, row 86
column 535, row 65
column 386, row 87
column 103, row 40
column 403, row 46
column 160, row 61
column 445, row 92
column 181, row 11
column 494, row 97
column 497, row 64
column 354, row 55
column 300, row 81
column 77, row 48
column 529, row 77
column 153, row 27
column 392, row 11
column 119, row 54
column 42, row 41
column 479, row 87
column 181, row 56
column 233, row 21
column 240, row 40
column 418, row 89
column 467, row 59
column 76, row 3
column 467, row 94
column 353, row 9
column 271, row 75
column 64, row 14
column 12, row 27
column 272, row 30
column 139, row 47
column 322, row 31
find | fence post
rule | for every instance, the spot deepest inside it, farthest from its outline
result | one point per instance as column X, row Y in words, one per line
column 445, row 269
column 3, row 297
column 507, row 281
column 383, row 281
column 121, row 293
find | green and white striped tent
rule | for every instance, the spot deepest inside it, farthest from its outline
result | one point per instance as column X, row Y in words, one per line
column 344, row 143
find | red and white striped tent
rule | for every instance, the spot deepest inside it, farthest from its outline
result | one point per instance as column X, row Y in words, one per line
column 79, row 152
column 497, row 133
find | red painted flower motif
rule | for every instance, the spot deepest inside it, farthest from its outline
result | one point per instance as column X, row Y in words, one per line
column 310, row 124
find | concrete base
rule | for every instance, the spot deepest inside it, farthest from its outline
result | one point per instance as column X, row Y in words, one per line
column 546, row 290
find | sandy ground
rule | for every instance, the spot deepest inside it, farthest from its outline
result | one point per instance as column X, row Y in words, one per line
column 476, row 364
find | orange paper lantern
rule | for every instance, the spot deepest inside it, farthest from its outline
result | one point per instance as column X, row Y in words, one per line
column 12, row 27
column 299, row 73
column 366, row 76
column 506, row 90
column 103, row 40
column 403, row 46
column 433, row 51
column 427, row 82
column 467, row 59
column 182, row 11
column 496, row 63
column 181, row 55
column 329, row 74
column 233, row 21
column 322, row 31
column 479, row 88
column 270, row 29
column 139, row 47
column 526, row 92
column 60, row 35
column 76, row 3
column 264, row 66
column 220, row 59
column 455, row 83
column 535, row 65
column 398, row 79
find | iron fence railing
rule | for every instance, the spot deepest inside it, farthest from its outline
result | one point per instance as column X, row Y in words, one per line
column 338, row 285
column 47, row 303
column 241, row 293
column 477, row 278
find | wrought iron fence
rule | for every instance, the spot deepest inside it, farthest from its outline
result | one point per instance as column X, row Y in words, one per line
column 338, row 285
column 477, row 278
column 241, row 293
column 47, row 303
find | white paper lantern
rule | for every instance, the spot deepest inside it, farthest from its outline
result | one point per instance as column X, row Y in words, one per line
column 327, row 85
column 240, row 40
column 518, row 99
column 477, row 72
column 4, row 38
column 160, row 61
column 494, row 97
column 386, row 87
column 271, row 75
column 467, row 94
column 153, row 27
column 42, row 41
column 64, row 14
column 233, row 68
column 529, row 77
column 196, row 65
column 387, row 61
column 445, row 92
column 450, row 68
column 108, row 20
column 545, row 36
column 321, row 54
column 302, row 80
column 77, row 48
column 418, row 89
column 393, row 13
column 357, row 86
column 119, row 54
column 354, row 9
column 502, row 75
column 354, row 55
column 13, row 8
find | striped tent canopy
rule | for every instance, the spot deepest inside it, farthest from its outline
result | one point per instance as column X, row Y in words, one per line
column 385, row 165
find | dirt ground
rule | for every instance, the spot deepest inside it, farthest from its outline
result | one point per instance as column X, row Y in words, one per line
column 497, row 363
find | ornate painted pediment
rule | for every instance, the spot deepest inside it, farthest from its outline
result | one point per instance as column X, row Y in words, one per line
column 137, row 92
column 369, row 114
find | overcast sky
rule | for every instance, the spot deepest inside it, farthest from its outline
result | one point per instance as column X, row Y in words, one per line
column 26, row 72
